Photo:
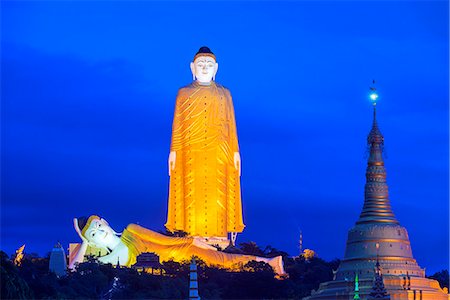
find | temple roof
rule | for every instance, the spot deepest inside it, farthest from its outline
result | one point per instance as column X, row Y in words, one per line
column 378, row 290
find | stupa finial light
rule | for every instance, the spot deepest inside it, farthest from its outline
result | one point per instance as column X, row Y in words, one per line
column 373, row 93
column 374, row 96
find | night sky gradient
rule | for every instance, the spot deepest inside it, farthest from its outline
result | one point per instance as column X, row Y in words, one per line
column 88, row 92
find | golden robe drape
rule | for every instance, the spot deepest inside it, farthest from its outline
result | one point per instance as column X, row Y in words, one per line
column 139, row 240
column 204, row 192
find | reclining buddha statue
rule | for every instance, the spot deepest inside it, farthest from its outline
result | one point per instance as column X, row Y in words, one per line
column 123, row 248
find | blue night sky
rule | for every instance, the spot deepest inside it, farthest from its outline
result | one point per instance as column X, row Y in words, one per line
column 88, row 92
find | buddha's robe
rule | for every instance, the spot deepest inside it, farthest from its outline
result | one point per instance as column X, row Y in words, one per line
column 139, row 240
column 136, row 240
column 204, row 194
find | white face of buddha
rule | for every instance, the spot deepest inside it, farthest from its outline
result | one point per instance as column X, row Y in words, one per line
column 101, row 234
column 204, row 68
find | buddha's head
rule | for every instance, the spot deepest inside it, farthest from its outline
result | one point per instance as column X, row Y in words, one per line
column 204, row 67
column 97, row 232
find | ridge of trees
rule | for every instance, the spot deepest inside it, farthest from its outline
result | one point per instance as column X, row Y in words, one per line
column 93, row 280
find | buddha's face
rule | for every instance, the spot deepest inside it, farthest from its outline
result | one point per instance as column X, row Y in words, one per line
column 100, row 234
column 204, row 68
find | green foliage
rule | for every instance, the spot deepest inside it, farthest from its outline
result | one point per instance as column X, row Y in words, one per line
column 177, row 269
column 94, row 280
column 258, row 267
column 13, row 285
column 89, row 280
column 442, row 277
column 175, row 233
column 269, row 251
column 251, row 248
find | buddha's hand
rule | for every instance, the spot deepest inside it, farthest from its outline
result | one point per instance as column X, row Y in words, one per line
column 237, row 162
column 77, row 229
column 172, row 159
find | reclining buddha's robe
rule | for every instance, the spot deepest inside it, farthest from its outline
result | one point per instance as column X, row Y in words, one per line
column 139, row 240
column 204, row 193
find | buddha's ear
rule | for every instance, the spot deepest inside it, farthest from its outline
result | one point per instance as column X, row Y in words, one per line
column 216, row 67
column 193, row 70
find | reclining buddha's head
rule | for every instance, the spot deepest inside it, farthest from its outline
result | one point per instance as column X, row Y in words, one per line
column 97, row 232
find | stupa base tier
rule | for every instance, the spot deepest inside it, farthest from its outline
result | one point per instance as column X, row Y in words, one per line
column 417, row 288
column 396, row 266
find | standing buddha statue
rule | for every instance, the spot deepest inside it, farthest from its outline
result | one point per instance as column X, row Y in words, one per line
column 204, row 161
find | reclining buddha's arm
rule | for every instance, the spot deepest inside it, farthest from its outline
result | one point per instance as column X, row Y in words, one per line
column 80, row 250
column 158, row 238
column 120, row 254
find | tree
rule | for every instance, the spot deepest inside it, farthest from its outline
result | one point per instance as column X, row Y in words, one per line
column 93, row 279
column 89, row 280
column 269, row 251
column 13, row 285
column 176, row 269
column 251, row 248
column 175, row 233
column 441, row 277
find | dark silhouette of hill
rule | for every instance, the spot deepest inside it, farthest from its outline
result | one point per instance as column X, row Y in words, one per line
column 93, row 280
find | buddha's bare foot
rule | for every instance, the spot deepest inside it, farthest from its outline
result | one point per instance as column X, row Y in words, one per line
column 277, row 265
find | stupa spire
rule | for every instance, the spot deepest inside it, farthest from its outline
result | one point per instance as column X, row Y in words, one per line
column 377, row 240
column 377, row 207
